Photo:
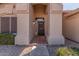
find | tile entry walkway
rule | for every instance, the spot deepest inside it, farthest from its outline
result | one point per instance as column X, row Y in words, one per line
column 39, row 40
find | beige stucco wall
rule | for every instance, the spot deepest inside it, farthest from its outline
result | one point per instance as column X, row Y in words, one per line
column 71, row 27
column 23, row 34
column 55, row 36
column 31, row 28
column 6, row 8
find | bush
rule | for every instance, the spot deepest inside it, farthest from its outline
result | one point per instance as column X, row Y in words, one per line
column 7, row 39
column 76, row 50
column 66, row 52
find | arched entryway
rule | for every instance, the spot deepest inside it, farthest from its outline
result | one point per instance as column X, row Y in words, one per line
column 40, row 23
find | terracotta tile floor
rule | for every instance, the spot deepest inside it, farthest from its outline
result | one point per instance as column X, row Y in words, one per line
column 39, row 40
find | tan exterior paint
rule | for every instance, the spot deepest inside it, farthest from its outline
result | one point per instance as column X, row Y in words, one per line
column 55, row 25
column 26, row 14
column 6, row 8
column 22, row 37
column 70, row 25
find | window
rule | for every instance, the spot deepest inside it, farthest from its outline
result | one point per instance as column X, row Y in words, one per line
column 8, row 24
column 13, row 24
column 5, row 22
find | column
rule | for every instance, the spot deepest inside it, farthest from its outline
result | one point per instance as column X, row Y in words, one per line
column 55, row 36
column 22, row 37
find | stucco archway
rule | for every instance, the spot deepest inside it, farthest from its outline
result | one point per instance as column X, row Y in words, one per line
column 39, row 11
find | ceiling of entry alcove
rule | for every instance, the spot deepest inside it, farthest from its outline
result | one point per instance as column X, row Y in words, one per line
column 40, row 8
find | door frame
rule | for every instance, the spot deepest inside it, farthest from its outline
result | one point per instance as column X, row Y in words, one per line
column 40, row 19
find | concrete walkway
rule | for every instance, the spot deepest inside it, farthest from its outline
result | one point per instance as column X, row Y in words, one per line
column 40, row 50
column 13, row 50
column 10, row 50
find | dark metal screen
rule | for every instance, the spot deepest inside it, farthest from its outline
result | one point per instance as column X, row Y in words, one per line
column 13, row 24
column 5, row 24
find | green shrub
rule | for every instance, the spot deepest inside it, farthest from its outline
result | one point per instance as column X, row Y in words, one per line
column 66, row 52
column 7, row 39
column 76, row 50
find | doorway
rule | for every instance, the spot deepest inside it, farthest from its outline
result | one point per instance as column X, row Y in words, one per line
column 40, row 27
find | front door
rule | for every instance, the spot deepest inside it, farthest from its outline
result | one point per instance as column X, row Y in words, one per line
column 41, row 28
